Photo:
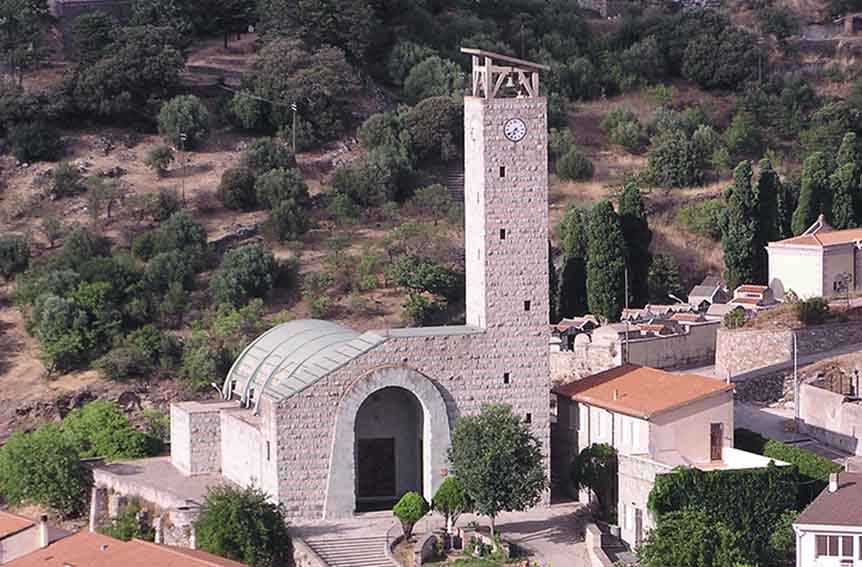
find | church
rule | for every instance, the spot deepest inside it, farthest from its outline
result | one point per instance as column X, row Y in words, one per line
column 330, row 421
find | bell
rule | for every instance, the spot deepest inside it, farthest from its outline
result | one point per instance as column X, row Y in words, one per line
column 510, row 83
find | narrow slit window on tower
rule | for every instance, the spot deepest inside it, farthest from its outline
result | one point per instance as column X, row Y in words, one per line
column 502, row 234
column 267, row 451
column 502, row 171
column 505, row 377
column 527, row 305
column 251, row 397
column 528, row 418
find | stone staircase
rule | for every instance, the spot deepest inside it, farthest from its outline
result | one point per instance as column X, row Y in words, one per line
column 454, row 181
column 352, row 552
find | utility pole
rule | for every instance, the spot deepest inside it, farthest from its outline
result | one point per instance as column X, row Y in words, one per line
column 795, row 385
column 626, row 342
column 185, row 163
column 293, row 108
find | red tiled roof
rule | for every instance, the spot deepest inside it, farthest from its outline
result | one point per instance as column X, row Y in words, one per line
column 746, row 300
column 641, row 391
column 821, row 239
column 12, row 523
column 751, row 288
column 87, row 549
column 693, row 317
column 840, row 508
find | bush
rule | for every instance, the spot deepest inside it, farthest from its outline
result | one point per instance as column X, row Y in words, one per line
column 163, row 205
column 721, row 61
column 126, row 526
column 451, row 500
column 66, row 180
column 595, row 468
column 245, row 273
column 703, row 218
column 814, row 311
column 266, row 154
column 410, row 509
column 617, row 115
column 748, row 440
column 35, row 141
column 43, row 468
column 431, row 124
column 14, row 254
column 99, row 429
column 278, row 186
column 433, row 77
column 813, row 468
column 628, row 134
column 123, row 362
column 287, row 221
column 92, row 33
column 184, row 116
column 403, row 57
column 743, row 136
column 672, row 161
column 575, row 166
column 691, row 537
column 735, row 319
column 159, row 159
column 320, row 307
column 376, row 178
column 236, row 189
column 242, row 525
column 560, row 141
column 246, row 111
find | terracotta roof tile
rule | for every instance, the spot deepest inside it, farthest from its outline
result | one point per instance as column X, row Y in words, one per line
column 751, row 288
column 642, row 391
column 12, row 523
column 840, row 508
column 820, row 239
column 746, row 300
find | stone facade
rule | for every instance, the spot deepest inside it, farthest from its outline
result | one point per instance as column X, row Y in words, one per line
column 739, row 351
column 196, row 436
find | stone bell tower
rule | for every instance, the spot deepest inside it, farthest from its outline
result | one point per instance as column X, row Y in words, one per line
column 506, row 194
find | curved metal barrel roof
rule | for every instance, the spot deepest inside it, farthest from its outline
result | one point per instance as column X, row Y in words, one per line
column 290, row 357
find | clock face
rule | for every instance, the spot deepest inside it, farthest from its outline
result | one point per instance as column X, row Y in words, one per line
column 515, row 129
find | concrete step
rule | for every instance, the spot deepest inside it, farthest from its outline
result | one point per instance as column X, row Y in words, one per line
column 352, row 552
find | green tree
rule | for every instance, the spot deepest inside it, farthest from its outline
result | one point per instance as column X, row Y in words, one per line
column 574, row 165
column 815, row 196
column 692, row 538
column 498, row 460
column 451, row 500
column 159, row 159
column 845, row 184
column 430, row 125
column 241, row 524
column 743, row 136
column 35, row 141
column 287, row 221
column 245, row 273
column 411, row 508
column 638, row 236
column 92, row 33
column 24, row 25
column 595, row 468
column 739, row 229
column 99, row 429
column 184, row 122
column 281, row 185
column 663, row 278
column 162, row 13
column 433, row 76
column 43, row 468
column 606, row 254
column 236, row 189
column 673, row 161
column 403, row 57
column 265, row 154
column 572, row 232
column 14, row 254
column 766, row 191
column 782, row 541
column 433, row 201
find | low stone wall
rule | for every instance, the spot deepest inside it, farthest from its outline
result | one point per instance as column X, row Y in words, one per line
column 593, row 541
column 304, row 556
column 425, row 549
column 740, row 351
column 830, row 418
column 585, row 360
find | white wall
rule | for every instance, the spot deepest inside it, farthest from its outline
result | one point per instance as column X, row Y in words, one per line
column 806, row 545
column 242, row 450
column 795, row 268
column 686, row 430
column 837, row 260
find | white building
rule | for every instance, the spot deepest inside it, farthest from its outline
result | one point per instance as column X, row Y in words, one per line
column 829, row 530
column 821, row 262
column 656, row 421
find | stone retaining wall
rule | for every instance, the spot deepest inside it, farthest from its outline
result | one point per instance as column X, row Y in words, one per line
column 593, row 541
column 830, row 418
column 304, row 556
column 740, row 351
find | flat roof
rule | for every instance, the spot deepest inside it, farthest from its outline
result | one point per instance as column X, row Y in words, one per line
column 640, row 391
column 840, row 508
column 88, row 549
column 12, row 523
column 821, row 239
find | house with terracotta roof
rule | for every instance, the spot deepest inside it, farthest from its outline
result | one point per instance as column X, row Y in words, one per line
column 712, row 290
column 820, row 262
column 20, row 536
column 829, row 530
column 90, row 549
column 657, row 421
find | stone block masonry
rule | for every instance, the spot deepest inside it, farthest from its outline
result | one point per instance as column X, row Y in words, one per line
column 196, row 436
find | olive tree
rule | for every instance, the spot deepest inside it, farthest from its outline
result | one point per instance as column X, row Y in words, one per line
column 184, row 122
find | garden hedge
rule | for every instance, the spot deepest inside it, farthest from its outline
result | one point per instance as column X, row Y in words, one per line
column 814, row 470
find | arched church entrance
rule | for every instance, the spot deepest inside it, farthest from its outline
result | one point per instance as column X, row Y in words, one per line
column 388, row 431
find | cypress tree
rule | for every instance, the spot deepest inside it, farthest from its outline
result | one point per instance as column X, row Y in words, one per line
column 572, row 232
column 740, row 228
column 766, row 195
column 844, row 183
column 788, row 193
column 636, row 232
column 606, row 253
column 553, row 286
column 815, row 196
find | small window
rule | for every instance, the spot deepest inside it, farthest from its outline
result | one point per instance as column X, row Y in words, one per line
column 859, row 547
column 502, row 234
column 251, row 396
column 822, row 545
column 505, row 377
column 526, row 306
column 267, row 451
column 502, row 171
column 478, row 253
column 529, row 418
column 846, row 546
column 833, row 545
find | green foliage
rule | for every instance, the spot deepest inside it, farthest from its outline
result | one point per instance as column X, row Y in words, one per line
column 433, row 201
column 431, row 77
column 743, row 136
column 430, row 125
column 246, row 111
column 663, row 278
column 141, row 353
column 735, row 318
column 184, row 122
column 616, row 116
column 245, row 273
column 43, row 468
column 815, row 197
column 164, row 13
column 606, row 254
column 814, row 470
column 674, row 161
column 277, row 186
column 66, row 180
column 92, row 33
column 637, row 236
column 498, row 461
column 747, row 501
column 99, row 429
column 628, row 134
column 418, row 275
column 574, row 165
column 782, row 541
column 418, row 309
column 740, row 228
column 767, row 190
column 410, row 509
column 126, row 526
column 846, row 185
column 24, row 25
column 287, row 221
column 236, row 189
column 595, row 468
column 691, row 537
column 813, row 311
column 404, row 57
column 242, row 525
column 14, row 254
column 748, row 440
column 778, row 21
column 159, row 159
column 703, row 218
column 35, row 141
column 560, row 141
column 572, row 232
column 379, row 176
column 451, row 500
column 381, row 129
column 721, row 61
column 265, row 154
column 342, row 208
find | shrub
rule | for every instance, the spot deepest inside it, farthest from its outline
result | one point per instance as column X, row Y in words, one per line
column 403, row 57
column 126, row 526
column 159, row 159
column 721, row 61
column 278, row 186
column 266, row 154
column 575, row 166
column 410, row 509
column 123, row 362
column 691, row 537
column 743, row 136
column 99, row 429
column 451, row 501
column 14, row 254
column 595, row 468
column 186, row 117
column 92, row 33
column 320, row 307
column 433, row 77
column 163, row 205
column 242, row 525
column 703, row 218
column 287, row 221
column 44, row 468
column 35, row 141
column 813, row 468
column 814, row 311
column 628, row 134
column 431, row 123
column 236, row 189
column 617, row 115
column 66, row 180
column 379, row 176
column 245, row 273
column 735, row 319
column 672, row 161
column 246, row 111
column 560, row 141
column 381, row 129
column 778, row 21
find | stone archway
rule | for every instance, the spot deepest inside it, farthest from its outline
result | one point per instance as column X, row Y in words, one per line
column 341, row 483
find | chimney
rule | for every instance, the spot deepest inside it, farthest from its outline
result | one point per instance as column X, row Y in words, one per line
column 833, row 482
column 44, row 540
column 616, row 394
